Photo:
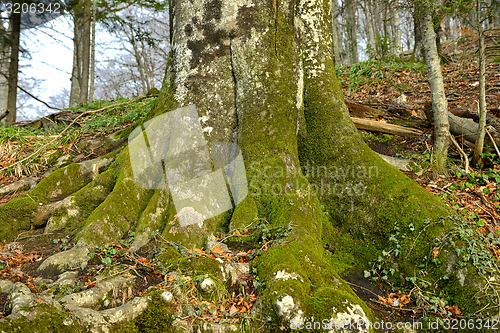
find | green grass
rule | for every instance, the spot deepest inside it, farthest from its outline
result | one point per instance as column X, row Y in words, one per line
column 20, row 142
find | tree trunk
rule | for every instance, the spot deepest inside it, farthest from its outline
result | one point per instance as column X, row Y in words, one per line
column 337, row 37
column 396, row 27
column 92, row 54
column 417, row 55
column 4, row 67
column 262, row 76
column 76, row 73
column 84, row 88
column 370, row 27
column 476, row 159
column 352, row 31
column 13, row 68
column 439, row 101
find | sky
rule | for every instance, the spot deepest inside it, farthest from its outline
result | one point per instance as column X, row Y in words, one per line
column 50, row 58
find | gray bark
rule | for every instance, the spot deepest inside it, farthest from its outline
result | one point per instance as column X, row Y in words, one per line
column 13, row 69
column 439, row 101
column 76, row 74
column 352, row 31
column 337, row 36
column 396, row 27
column 92, row 54
column 476, row 159
column 4, row 68
column 84, row 87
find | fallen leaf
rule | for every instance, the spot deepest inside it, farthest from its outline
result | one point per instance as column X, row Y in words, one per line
column 233, row 310
column 217, row 249
column 435, row 252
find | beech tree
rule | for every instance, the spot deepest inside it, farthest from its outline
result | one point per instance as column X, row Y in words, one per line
column 261, row 74
column 438, row 96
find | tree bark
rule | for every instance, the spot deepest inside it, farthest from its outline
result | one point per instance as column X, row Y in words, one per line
column 352, row 31
column 262, row 76
column 92, row 54
column 417, row 55
column 337, row 37
column 84, row 88
column 439, row 101
column 476, row 158
column 13, row 68
column 76, row 73
column 4, row 66
column 396, row 27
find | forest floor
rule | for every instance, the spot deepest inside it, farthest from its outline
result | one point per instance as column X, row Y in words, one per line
column 29, row 151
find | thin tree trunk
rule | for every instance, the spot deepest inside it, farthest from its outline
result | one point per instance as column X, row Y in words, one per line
column 76, row 73
column 13, row 69
column 92, row 55
column 368, row 11
column 4, row 67
column 352, row 31
column 439, row 102
column 396, row 27
column 476, row 159
column 84, row 92
column 417, row 55
column 337, row 37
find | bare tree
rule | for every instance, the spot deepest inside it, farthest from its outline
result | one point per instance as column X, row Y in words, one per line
column 439, row 101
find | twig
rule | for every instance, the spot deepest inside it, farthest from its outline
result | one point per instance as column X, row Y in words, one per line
column 411, row 248
column 17, row 239
column 462, row 153
column 67, row 127
column 355, row 285
column 494, row 144
column 37, row 99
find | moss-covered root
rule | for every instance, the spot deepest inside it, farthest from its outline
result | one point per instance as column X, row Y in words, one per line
column 120, row 210
column 302, row 289
column 73, row 210
column 300, row 286
column 34, row 208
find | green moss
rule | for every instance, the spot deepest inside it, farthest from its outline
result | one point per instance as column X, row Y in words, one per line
column 17, row 215
column 121, row 208
column 47, row 319
column 85, row 201
column 60, row 184
column 156, row 318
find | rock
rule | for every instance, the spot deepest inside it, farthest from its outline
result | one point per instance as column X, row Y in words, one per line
column 41, row 280
column 61, row 161
column 212, row 242
column 208, row 285
column 59, row 262
column 402, row 164
column 167, row 296
column 19, row 297
column 5, row 286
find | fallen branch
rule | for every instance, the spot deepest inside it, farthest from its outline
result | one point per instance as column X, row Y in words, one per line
column 379, row 126
column 462, row 153
column 74, row 121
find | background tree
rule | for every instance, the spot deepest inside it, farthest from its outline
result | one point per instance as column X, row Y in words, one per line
column 438, row 96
